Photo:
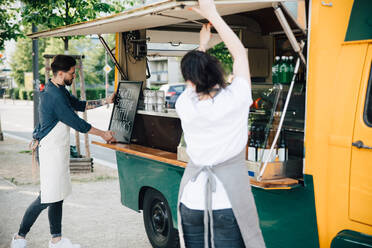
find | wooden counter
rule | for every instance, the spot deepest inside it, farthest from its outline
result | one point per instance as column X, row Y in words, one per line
column 145, row 152
column 171, row 158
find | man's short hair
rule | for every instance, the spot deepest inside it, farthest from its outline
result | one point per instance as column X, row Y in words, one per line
column 62, row 63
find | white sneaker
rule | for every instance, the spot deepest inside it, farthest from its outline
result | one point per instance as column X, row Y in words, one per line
column 18, row 243
column 63, row 243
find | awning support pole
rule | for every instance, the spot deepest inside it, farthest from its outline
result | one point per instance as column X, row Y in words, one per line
column 288, row 31
column 108, row 50
column 263, row 167
column 303, row 31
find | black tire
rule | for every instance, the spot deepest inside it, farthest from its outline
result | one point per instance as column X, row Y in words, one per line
column 158, row 221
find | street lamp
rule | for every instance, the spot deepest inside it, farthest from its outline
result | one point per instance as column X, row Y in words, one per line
column 1, row 132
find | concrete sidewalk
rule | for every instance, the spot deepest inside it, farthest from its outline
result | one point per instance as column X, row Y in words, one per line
column 92, row 216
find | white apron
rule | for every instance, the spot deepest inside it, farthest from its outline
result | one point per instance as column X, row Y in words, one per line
column 54, row 160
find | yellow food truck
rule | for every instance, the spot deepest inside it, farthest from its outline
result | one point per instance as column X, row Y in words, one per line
column 320, row 194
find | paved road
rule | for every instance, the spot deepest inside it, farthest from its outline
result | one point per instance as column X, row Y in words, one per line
column 92, row 217
column 17, row 121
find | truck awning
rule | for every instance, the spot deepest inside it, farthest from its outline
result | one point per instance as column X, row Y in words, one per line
column 163, row 13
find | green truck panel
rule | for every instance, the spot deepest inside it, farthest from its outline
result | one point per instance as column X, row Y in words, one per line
column 360, row 22
column 287, row 217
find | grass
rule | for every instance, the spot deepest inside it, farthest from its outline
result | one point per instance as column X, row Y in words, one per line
column 93, row 179
column 78, row 180
column 25, row 152
column 15, row 182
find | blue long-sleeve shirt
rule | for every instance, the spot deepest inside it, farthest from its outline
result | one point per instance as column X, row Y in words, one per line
column 57, row 104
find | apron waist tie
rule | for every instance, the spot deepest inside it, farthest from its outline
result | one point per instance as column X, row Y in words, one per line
column 210, row 188
column 33, row 147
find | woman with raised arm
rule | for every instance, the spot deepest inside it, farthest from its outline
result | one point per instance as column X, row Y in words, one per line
column 216, row 207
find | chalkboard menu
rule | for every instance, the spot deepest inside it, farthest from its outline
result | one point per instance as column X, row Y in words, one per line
column 124, row 110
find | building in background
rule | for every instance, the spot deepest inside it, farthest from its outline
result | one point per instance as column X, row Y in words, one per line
column 164, row 70
column 165, row 62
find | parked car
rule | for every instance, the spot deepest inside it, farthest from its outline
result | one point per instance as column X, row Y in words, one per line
column 172, row 92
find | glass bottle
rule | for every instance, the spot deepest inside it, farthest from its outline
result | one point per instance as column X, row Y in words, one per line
column 282, row 70
column 252, row 153
column 260, row 140
column 282, row 149
column 275, row 70
column 291, row 68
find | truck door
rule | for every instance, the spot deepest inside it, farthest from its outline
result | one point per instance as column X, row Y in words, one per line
column 360, row 202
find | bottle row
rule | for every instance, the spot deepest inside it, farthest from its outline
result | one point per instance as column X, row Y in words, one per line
column 259, row 148
column 283, row 69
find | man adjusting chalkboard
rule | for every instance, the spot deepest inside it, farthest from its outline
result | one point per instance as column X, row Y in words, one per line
column 52, row 139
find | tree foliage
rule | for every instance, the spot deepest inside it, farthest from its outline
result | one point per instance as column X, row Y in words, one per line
column 221, row 52
column 21, row 60
column 90, row 47
column 9, row 27
column 54, row 13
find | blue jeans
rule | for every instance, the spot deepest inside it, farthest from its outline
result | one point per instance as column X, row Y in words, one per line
column 34, row 210
column 226, row 230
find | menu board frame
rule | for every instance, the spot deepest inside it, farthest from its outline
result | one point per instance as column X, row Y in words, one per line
column 130, row 115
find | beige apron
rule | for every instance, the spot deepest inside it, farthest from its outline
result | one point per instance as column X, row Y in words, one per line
column 233, row 174
column 54, row 160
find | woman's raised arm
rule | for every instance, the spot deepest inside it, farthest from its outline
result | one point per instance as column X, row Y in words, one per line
column 208, row 10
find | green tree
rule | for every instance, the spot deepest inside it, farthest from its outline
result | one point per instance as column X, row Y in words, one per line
column 21, row 60
column 95, row 62
column 9, row 27
column 94, row 54
column 221, row 52
column 51, row 14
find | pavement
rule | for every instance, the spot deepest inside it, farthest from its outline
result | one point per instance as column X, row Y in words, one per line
column 93, row 215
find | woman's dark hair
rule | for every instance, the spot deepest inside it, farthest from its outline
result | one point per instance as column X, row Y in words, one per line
column 62, row 63
column 203, row 70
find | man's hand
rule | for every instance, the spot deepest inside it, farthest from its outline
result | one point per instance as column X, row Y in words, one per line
column 205, row 36
column 92, row 104
column 110, row 99
column 108, row 136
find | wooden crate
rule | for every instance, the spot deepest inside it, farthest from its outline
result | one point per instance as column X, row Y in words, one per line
column 81, row 165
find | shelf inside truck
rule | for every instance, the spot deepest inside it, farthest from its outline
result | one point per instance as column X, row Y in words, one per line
column 276, row 184
column 145, row 152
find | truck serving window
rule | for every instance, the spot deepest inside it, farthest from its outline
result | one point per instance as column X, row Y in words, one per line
column 368, row 104
column 360, row 22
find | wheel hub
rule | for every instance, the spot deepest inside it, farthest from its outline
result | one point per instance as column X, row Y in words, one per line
column 159, row 218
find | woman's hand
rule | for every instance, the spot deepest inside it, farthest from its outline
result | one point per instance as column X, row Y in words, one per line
column 206, row 8
column 205, row 36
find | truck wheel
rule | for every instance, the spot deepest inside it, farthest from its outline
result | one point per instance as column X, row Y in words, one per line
column 158, row 221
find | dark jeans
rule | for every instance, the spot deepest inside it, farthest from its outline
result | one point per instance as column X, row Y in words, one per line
column 226, row 230
column 34, row 210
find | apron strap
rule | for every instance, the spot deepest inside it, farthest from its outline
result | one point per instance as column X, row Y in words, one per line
column 210, row 188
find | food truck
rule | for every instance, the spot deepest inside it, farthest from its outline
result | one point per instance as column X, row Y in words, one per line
column 320, row 194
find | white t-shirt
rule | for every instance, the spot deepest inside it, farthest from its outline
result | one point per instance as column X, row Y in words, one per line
column 215, row 130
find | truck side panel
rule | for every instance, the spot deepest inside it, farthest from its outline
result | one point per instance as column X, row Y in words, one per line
column 136, row 173
column 287, row 217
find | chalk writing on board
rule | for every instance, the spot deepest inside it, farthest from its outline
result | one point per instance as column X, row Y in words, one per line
column 124, row 111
